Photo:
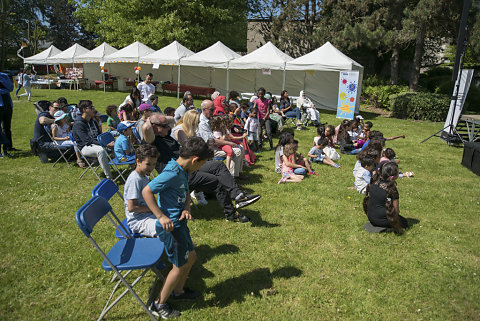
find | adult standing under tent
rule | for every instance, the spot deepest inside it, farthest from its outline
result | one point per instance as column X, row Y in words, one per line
column 168, row 56
column 146, row 88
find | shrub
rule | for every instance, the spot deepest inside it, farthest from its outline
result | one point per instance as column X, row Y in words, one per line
column 420, row 106
column 379, row 96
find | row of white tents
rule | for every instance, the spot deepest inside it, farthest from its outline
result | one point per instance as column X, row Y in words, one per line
column 317, row 73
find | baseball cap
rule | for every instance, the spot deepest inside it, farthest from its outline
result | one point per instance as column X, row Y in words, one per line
column 59, row 115
column 146, row 106
column 124, row 125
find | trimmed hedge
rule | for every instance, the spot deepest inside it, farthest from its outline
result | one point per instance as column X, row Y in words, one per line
column 420, row 106
column 379, row 96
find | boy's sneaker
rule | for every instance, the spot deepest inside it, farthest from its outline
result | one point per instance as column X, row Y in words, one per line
column 238, row 218
column 165, row 311
column 187, row 294
column 243, row 200
column 199, row 197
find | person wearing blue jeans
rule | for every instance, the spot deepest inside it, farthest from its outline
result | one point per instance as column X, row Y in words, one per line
column 288, row 110
column 6, row 112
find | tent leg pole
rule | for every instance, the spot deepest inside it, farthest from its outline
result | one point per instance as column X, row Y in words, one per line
column 178, row 82
column 228, row 80
column 284, row 77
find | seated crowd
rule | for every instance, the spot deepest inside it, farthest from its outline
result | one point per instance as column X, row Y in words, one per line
column 205, row 150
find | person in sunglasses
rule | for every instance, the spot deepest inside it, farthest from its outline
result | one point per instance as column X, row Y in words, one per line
column 212, row 177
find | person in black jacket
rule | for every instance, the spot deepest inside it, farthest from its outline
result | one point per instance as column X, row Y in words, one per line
column 85, row 131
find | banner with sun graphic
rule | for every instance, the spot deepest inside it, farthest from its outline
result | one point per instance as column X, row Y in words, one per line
column 347, row 94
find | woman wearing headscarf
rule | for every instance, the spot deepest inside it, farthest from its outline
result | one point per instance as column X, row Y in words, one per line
column 304, row 103
column 221, row 106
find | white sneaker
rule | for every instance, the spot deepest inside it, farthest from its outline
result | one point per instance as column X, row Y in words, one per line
column 199, row 197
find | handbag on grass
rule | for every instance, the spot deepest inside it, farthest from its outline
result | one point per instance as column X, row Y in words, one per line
column 331, row 153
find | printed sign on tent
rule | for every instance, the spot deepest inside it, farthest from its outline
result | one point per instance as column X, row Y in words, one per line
column 267, row 72
column 347, row 94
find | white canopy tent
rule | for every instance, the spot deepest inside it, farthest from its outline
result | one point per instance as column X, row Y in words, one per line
column 122, row 62
column 262, row 67
column 168, row 56
column 41, row 58
column 91, row 59
column 68, row 55
column 96, row 55
column 317, row 73
column 216, row 56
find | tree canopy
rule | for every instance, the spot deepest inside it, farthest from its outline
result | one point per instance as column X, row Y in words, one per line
column 195, row 23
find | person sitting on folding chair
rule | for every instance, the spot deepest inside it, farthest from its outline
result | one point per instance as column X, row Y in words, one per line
column 60, row 129
column 124, row 143
column 305, row 104
column 85, row 131
column 46, row 147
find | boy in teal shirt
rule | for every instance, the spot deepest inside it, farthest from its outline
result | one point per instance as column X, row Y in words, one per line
column 172, row 212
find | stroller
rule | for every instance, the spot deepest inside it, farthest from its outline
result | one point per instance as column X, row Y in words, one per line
column 41, row 106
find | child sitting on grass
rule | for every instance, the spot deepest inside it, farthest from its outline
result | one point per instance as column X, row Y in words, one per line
column 169, row 111
column 112, row 120
column 363, row 174
column 388, row 155
column 289, row 166
column 302, row 161
column 124, row 143
column 317, row 155
column 172, row 212
column 220, row 132
column 381, row 200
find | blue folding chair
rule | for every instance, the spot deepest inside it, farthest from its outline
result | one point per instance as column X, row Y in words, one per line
column 92, row 163
column 126, row 255
column 106, row 189
column 106, row 138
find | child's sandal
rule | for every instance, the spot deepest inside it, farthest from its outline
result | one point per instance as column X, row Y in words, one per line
column 81, row 164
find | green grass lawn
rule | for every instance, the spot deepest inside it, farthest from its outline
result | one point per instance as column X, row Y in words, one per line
column 305, row 256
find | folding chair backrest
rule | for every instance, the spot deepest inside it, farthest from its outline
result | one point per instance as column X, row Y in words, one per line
column 106, row 188
column 103, row 118
column 135, row 133
column 105, row 138
column 41, row 106
column 91, row 212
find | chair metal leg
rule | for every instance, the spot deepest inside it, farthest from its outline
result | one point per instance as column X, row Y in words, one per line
column 129, row 289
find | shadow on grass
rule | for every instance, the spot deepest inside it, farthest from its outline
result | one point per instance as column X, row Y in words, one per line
column 236, row 289
column 256, row 219
column 21, row 154
column 412, row 221
column 204, row 254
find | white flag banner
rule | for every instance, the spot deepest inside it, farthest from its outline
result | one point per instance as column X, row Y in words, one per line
column 456, row 109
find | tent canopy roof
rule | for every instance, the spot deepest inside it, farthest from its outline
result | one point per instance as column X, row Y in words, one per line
column 68, row 55
column 327, row 57
column 217, row 55
column 41, row 58
column 267, row 56
column 168, row 55
column 96, row 55
column 131, row 53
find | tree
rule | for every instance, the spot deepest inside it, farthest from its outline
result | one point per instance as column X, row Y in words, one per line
column 15, row 16
column 195, row 23
column 288, row 24
column 63, row 28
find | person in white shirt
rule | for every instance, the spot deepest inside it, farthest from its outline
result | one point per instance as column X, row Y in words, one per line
column 146, row 88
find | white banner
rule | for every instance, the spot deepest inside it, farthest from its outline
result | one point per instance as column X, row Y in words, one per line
column 455, row 111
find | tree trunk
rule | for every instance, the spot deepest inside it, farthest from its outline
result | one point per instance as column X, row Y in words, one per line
column 417, row 58
column 394, row 66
